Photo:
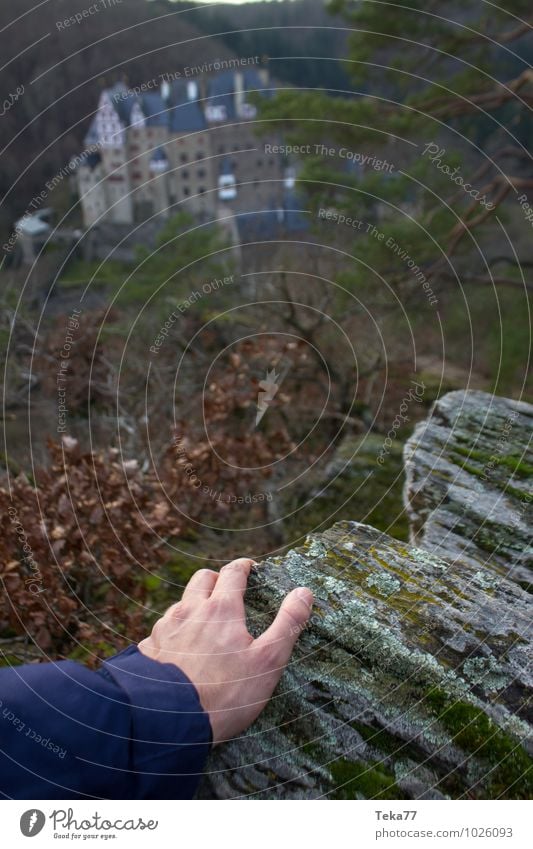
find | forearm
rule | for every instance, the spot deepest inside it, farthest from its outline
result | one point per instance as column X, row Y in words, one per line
column 135, row 729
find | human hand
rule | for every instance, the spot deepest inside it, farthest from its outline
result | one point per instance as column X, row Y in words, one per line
column 205, row 635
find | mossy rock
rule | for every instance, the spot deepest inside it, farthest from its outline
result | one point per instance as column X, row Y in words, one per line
column 410, row 682
column 469, row 483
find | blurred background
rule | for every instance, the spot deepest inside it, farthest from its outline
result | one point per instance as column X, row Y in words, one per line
column 244, row 249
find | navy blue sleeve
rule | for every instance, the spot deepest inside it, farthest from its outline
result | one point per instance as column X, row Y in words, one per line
column 133, row 730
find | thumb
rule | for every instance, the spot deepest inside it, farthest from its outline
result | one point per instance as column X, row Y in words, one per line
column 288, row 624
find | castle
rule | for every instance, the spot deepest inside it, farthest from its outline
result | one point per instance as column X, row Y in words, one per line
column 191, row 145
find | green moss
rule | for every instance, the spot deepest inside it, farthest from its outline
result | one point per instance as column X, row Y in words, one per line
column 152, row 582
column 359, row 780
column 509, row 490
column 510, row 769
column 313, row 750
column 9, row 660
column 165, row 587
column 514, row 462
column 363, row 491
column 82, row 654
column 10, row 465
column 180, row 569
column 381, row 740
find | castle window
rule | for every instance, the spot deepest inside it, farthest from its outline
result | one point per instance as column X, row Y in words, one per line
column 185, row 175
column 201, row 190
column 201, row 172
column 186, row 191
column 183, row 157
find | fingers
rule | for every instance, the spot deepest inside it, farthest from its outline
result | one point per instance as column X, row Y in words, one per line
column 232, row 580
column 200, row 586
column 288, row 624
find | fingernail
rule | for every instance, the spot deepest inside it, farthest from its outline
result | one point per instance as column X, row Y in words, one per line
column 305, row 595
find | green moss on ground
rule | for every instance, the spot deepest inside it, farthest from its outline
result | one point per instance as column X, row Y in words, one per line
column 83, row 654
column 9, row 660
column 364, row 491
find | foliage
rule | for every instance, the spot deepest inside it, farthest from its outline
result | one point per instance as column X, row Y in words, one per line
column 456, row 78
column 76, row 547
column 186, row 255
column 284, row 31
column 82, row 542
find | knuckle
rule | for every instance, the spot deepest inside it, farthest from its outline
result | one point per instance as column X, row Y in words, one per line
column 218, row 606
column 157, row 629
column 241, row 564
column 178, row 611
column 182, row 610
column 204, row 573
column 234, row 566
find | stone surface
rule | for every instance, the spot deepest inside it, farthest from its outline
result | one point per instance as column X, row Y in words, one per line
column 469, row 483
column 412, row 680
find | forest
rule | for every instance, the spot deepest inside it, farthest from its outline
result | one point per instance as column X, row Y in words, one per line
column 401, row 278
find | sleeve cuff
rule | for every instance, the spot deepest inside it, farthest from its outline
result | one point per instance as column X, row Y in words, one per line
column 171, row 733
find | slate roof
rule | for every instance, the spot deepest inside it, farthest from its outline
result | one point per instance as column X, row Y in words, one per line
column 180, row 114
column 221, row 92
column 155, row 110
column 185, row 115
column 252, row 82
column 123, row 101
column 92, row 136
